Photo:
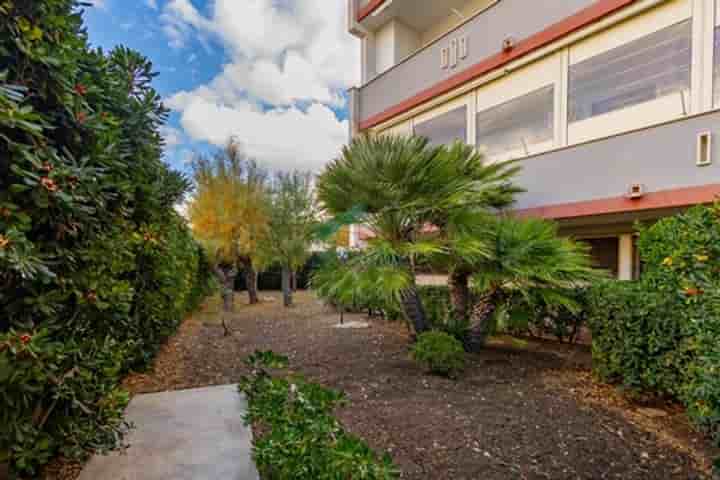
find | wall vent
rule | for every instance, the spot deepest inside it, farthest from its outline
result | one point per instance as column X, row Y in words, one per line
column 636, row 191
column 704, row 149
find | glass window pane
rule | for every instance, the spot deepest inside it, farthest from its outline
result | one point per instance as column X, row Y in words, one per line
column 648, row 68
column 518, row 124
column 445, row 128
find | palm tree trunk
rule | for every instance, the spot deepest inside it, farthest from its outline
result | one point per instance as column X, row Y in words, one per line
column 413, row 309
column 481, row 320
column 286, row 287
column 460, row 293
column 293, row 281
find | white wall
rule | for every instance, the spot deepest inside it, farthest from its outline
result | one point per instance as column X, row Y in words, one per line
column 407, row 41
column 452, row 20
column 392, row 43
column 385, row 47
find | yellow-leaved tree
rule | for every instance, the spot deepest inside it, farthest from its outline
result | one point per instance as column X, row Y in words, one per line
column 228, row 215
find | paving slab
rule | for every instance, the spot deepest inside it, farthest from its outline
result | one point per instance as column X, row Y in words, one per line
column 190, row 434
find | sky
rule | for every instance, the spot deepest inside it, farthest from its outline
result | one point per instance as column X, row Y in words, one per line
column 272, row 74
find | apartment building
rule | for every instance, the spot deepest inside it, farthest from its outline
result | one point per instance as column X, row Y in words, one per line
column 613, row 106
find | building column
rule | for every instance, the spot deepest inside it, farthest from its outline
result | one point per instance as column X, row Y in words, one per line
column 625, row 257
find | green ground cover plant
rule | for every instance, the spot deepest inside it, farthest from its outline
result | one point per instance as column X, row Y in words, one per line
column 300, row 439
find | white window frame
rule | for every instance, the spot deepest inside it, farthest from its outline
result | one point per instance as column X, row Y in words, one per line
column 546, row 72
column 641, row 115
column 704, row 22
column 402, row 128
column 709, row 72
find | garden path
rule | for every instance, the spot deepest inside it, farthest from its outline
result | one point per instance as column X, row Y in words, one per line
column 184, row 435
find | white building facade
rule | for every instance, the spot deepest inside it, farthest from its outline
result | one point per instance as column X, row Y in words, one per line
column 613, row 106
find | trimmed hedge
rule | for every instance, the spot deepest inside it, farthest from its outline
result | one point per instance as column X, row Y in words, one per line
column 662, row 334
column 96, row 267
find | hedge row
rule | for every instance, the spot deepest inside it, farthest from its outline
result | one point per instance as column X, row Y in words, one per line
column 96, row 268
column 662, row 334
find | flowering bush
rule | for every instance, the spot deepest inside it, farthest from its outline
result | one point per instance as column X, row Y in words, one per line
column 663, row 333
column 96, row 268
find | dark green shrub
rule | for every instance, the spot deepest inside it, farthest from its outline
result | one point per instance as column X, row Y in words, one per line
column 442, row 353
column 640, row 338
column 662, row 333
column 436, row 300
column 96, row 267
column 538, row 316
column 301, row 439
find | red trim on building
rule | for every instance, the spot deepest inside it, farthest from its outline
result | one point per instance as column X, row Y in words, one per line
column 592, row 14
column 681, row 197
column 368, row 9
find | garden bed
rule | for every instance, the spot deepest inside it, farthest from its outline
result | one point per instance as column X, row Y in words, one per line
column 523, row 409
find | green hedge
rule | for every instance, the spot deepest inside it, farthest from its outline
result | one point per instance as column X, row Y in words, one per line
column 96, row 268
column 662, row 334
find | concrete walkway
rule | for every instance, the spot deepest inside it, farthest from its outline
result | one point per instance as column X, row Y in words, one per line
column 191, row 434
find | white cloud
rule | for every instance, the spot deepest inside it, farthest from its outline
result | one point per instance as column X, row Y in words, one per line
column 283, row 138
column 152, row 4
column 98, row 3
column 282, row 55
column 172, row 136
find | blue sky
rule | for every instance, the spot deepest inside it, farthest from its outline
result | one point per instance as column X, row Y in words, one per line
column 271, row 74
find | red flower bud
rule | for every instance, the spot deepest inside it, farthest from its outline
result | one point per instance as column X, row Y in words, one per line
column 81, row 89
column 81, row 117
column 91, row 296
column 693, row 292
column 25, row 339
column 49, row 184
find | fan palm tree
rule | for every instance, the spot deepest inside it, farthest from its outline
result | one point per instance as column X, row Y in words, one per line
column 401, row 188
column 520, row 256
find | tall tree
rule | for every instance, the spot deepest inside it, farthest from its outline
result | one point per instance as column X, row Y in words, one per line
column 293, row 214
column 227, row 212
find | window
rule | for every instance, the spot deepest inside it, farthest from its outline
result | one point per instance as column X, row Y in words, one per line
column 651, row 67
column 605, row 253
column 518, row 125
column 445, row 128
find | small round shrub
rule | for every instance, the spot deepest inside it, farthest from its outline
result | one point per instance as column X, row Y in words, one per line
column 442, row 353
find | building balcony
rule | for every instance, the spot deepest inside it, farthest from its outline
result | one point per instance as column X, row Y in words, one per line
column 457, row 53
